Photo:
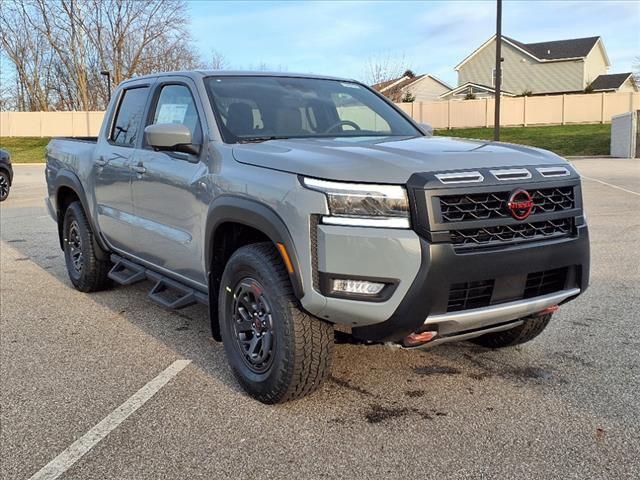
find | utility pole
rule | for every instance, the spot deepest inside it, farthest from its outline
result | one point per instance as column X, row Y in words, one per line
column 498, row 81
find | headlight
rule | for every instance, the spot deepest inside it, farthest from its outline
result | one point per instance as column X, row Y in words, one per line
column 363, row 204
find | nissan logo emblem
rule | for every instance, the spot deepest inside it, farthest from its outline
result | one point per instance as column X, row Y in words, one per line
column 520, row 204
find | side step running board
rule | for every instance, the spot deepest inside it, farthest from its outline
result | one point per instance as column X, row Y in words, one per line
column 174, row 295
column 125, row 272
column 165, row 291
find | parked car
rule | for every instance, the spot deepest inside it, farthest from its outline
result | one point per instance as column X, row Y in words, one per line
column 292, row 203
column 6, row 174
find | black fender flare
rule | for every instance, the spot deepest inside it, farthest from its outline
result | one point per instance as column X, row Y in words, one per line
column 66, row 178
column 232, row 208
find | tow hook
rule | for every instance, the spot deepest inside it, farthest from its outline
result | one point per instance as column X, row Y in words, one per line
column 417, row 339
column 547, row 311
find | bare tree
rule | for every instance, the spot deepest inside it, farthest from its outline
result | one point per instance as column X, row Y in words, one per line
column 636, row 70
column 268, row 67
column 218, row 60
column 59, row 47
column 383, row 67
column 30, row 55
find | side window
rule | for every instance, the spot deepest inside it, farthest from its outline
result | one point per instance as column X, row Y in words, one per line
column 127, row 124
column 176, row 105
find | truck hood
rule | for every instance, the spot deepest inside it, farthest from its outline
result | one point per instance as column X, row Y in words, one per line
column 386, row 159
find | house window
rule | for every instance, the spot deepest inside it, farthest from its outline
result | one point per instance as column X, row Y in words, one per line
column 493, row 77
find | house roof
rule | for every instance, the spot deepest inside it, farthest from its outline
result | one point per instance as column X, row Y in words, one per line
column 559, row 49
column 477, row 86
column 382, row 85
column 405, row 82
column 552, row 51
column 396, row 83
column 611, row 81
column 395, row 86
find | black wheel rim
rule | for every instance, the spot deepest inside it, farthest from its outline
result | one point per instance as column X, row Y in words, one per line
column 253, row 325
column 4, row 187
column 74, row 240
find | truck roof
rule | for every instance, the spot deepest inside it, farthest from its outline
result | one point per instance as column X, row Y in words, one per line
column 235, row 73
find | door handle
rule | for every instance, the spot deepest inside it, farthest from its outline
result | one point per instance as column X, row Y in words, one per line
column 101, row 162
column 139, row 169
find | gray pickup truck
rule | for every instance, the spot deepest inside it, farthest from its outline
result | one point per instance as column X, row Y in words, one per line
column 290, row 204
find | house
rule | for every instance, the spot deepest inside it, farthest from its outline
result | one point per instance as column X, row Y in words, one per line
column 471, row 90
column 615, row 82
column 559, row 66
column 419, row 88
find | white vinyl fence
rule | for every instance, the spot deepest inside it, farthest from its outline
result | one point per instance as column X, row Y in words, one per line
column 50, row 124
column 523, row 111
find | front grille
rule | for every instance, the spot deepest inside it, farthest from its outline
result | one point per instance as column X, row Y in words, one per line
column 543, row 283
column 519, row 232
column 486, row 206
column 463, row 296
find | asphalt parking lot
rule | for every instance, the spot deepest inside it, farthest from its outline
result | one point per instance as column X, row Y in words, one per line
column 566, row 405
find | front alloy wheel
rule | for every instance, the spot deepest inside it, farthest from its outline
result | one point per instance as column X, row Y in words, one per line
column 253, row 325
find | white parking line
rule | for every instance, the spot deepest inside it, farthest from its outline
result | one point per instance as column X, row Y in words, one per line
column 611, row 185
column 77, row 449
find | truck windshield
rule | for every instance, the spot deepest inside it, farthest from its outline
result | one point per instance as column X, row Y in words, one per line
column 258, row 108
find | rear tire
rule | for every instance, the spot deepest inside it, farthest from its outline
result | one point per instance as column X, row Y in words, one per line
column 86, row 271
column 4, row 186
column 526, row 332
column 276, row 351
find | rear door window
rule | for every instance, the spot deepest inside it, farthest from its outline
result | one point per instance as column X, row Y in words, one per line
column 127, row 125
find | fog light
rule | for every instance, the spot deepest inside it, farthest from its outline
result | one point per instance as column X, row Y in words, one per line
column 359, row 287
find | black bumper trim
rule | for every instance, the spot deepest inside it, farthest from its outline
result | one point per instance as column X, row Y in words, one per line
column 441, row 266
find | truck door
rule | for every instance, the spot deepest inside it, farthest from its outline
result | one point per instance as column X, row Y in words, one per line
column 169, row 192
column 114, row 155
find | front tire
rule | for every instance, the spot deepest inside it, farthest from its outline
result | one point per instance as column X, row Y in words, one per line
column 276, row 351
column 86, row 271
column 530, row 329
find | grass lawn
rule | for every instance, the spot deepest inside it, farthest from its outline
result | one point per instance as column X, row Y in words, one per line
column 562, row 139
column 25, row 149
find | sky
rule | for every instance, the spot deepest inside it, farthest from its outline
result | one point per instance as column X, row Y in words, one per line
column 340, row 37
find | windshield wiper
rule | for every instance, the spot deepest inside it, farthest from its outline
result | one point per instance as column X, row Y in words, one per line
column 262, row 139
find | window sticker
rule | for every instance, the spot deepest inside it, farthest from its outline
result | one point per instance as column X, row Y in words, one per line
column 172, row 113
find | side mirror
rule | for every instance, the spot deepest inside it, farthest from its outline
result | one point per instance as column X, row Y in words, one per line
column 426, row 129
column 173, row 137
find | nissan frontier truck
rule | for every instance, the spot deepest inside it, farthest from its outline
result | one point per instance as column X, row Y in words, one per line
column 292, row 204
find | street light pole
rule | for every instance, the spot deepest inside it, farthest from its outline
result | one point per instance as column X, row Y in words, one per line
column 498, row 81
column 107, row 74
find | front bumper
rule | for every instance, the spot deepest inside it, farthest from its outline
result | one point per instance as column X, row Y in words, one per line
column 459, row 326
column 477, row 318
column 441, row 266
